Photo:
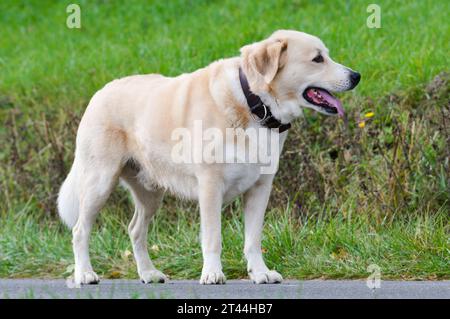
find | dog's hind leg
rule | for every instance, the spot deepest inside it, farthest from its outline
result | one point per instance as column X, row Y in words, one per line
column 146, row 204
column 96, row 184
column 94, row 174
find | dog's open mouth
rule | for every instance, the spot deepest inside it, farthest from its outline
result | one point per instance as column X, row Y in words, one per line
column 323, row 99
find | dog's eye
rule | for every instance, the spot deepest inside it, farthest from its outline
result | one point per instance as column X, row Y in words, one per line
column 318, row 59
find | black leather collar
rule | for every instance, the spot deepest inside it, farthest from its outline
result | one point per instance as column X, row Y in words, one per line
column 257, row 107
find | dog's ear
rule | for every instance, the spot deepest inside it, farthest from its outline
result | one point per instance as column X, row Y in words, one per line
column 261, row 62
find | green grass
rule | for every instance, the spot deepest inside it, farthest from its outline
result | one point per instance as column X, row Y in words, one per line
column 326, row 247
column 53, row 66
column 345, row 197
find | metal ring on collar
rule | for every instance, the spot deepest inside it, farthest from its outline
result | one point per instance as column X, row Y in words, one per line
column 264, row 118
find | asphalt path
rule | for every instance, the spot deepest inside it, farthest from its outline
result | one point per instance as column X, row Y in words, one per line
column 233, row 289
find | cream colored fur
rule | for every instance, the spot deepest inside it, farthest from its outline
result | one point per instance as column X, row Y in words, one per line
column 125, row 135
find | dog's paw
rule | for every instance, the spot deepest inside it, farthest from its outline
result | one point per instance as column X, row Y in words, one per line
column 266, row 277
column 153, row 276
column 86, row 278
column 212, row 278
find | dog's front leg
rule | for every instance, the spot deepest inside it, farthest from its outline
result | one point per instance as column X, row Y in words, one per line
column 255, row 204
column 210, row 201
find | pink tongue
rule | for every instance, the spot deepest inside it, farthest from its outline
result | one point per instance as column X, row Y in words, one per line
column 333, row 101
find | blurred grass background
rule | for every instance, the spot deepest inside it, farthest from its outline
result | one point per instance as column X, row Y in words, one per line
column 345, row 197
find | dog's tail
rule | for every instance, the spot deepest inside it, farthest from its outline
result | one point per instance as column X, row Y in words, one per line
column 68, row 198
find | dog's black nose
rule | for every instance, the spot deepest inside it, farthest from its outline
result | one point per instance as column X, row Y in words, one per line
column 355, row 77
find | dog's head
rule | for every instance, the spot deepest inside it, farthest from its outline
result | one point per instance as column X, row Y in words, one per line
column 291, row 69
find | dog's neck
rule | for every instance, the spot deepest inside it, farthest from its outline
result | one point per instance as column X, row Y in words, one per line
column 227, row 93
column 261, row 112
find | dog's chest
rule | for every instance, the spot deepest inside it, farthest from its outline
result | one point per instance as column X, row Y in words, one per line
column 238, row 178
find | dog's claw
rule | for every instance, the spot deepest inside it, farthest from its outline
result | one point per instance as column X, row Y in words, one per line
column 153, row 276
column 212, row 278
column 267, row 277
column 86, row 278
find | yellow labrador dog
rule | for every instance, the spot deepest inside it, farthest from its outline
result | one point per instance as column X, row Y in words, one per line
column 127, row 135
